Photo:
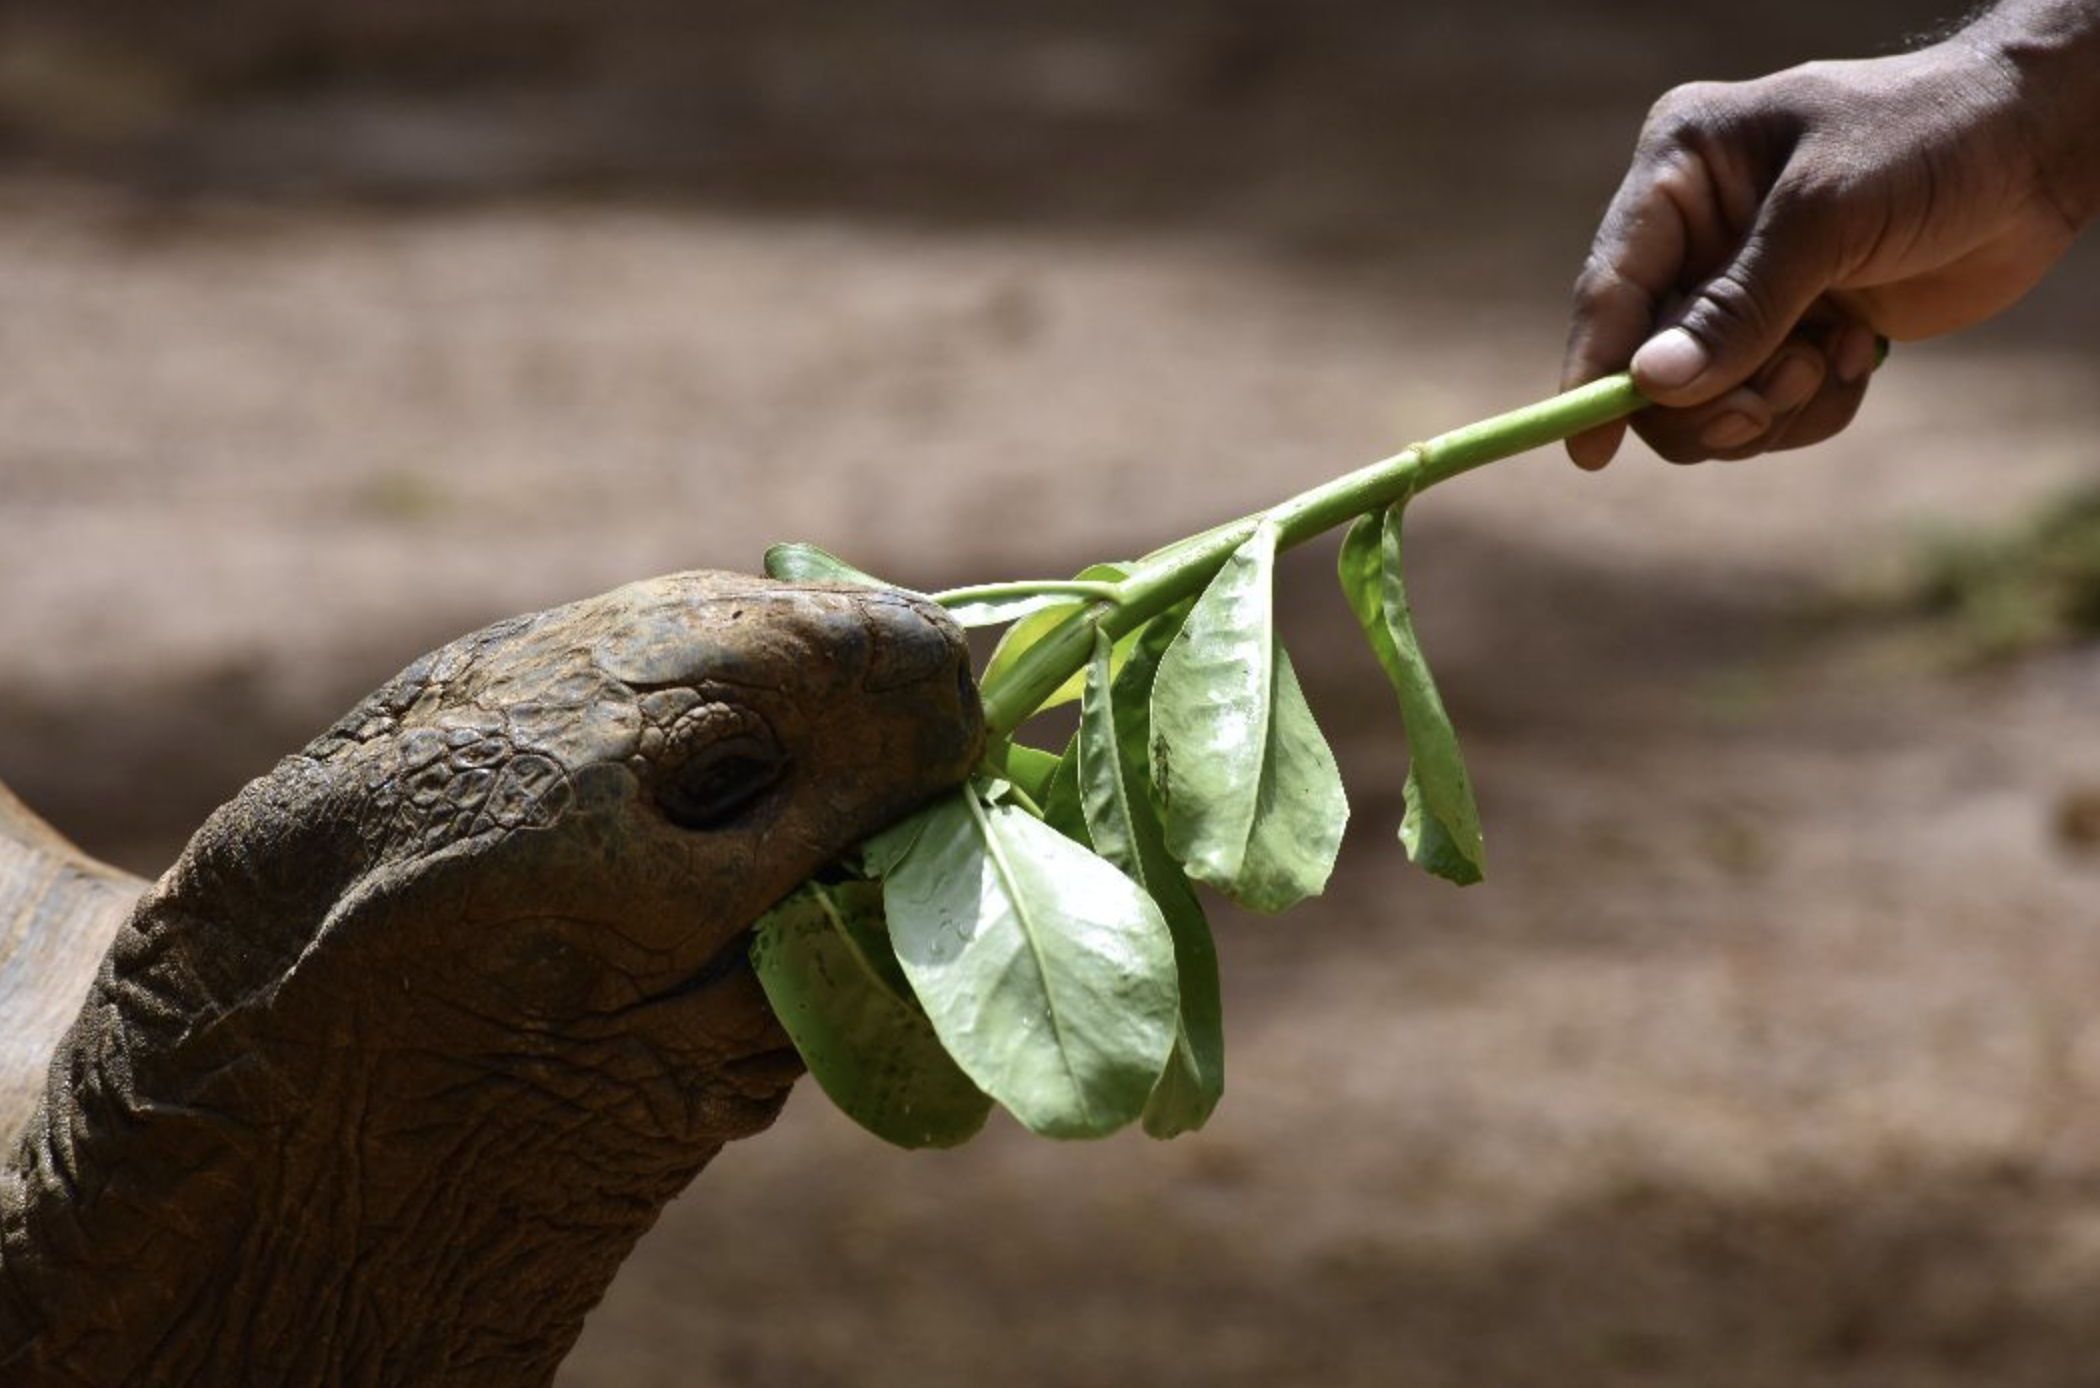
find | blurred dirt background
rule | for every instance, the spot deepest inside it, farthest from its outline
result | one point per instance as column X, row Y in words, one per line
column 1766, row 1056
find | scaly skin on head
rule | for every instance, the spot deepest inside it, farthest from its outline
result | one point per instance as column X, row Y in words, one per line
column 383, row 1080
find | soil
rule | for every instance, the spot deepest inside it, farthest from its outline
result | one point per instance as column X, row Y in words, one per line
column 1766, row 1054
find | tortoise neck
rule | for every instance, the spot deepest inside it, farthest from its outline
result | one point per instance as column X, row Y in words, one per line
column 257, row 1165
column 280, row 1216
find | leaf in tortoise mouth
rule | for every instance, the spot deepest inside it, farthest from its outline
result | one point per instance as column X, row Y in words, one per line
column 1047, row 974
column 823, row 957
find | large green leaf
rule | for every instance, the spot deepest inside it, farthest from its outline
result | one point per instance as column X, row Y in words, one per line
column 1254, row 804
column 1040, row 623
column 825, row 962
column 1441, row 827
column 802, row 563
column 1047, row 974
column 1123, row 822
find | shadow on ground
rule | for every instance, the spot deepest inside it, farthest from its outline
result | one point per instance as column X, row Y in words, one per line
column 1920, row 1278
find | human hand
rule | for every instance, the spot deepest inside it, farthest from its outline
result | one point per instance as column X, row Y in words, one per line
column 1772, row 229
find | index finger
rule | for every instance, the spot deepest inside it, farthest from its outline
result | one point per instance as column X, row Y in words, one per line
column 1633, row 263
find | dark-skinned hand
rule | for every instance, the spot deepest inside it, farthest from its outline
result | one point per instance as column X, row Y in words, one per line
column 1769, row 231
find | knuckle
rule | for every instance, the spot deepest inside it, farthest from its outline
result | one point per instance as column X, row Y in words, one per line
column 1810, row 195
column 1687, row 114
column 1598, row 282
column 1730, row 309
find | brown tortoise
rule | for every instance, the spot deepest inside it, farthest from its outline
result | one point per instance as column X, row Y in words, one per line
column 383, row 1079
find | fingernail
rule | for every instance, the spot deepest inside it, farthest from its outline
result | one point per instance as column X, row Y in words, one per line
column 1670, row 359
column 1729, row 431
column 1789, row 384
column 1855, row 355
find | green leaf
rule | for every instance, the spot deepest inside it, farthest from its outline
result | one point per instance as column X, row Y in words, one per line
column 1034, row 627
column 991, row 612
column 1123, row 819
column 801, row 563
column 881, row 851
column 1047, row 974
column 824, row 960
column 1441, row 827
column 1104, row 792
column 1031, row 768
column 1254, row 804
column 1061, row 808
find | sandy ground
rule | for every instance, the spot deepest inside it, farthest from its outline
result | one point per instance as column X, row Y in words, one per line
column 1766, row 1055
column 1763, row 1057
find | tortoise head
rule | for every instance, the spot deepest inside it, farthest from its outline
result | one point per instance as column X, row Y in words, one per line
column 425, row 1026
column 566, row 823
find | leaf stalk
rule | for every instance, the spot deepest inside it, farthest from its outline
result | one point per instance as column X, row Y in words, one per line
column 1031, row 588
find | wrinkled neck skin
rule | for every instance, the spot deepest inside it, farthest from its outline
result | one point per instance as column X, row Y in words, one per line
column 229, row 1182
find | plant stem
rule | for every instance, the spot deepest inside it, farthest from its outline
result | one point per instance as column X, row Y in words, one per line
column 1168, row 575
column 1030, row 588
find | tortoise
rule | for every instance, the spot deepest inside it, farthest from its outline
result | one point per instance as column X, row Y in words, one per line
column 382, row 1080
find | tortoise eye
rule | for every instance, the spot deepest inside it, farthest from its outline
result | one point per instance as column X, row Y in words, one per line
column 719, row 781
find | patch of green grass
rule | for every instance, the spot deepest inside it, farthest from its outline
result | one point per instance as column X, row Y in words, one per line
column 2001, row 595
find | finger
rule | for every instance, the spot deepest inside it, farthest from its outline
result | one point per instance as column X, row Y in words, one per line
column 1826, row 414
column 1667, row 224
column 1593, row 450
column 1855, row 350
column 1788, row 384
column 1810, row 391
column 1722, row 427
column 1626, row 284
column 1670, row 220
column 1799, row 398
column 1738, row 318
column 1792, row 378
column 1846, row 352
column 1632, row 265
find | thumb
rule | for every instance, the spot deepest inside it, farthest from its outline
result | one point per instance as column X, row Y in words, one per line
column 1733, row 323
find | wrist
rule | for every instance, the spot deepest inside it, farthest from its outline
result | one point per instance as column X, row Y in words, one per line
column 2051, row 51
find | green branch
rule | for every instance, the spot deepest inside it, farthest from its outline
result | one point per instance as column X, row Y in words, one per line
column 1167, row 576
